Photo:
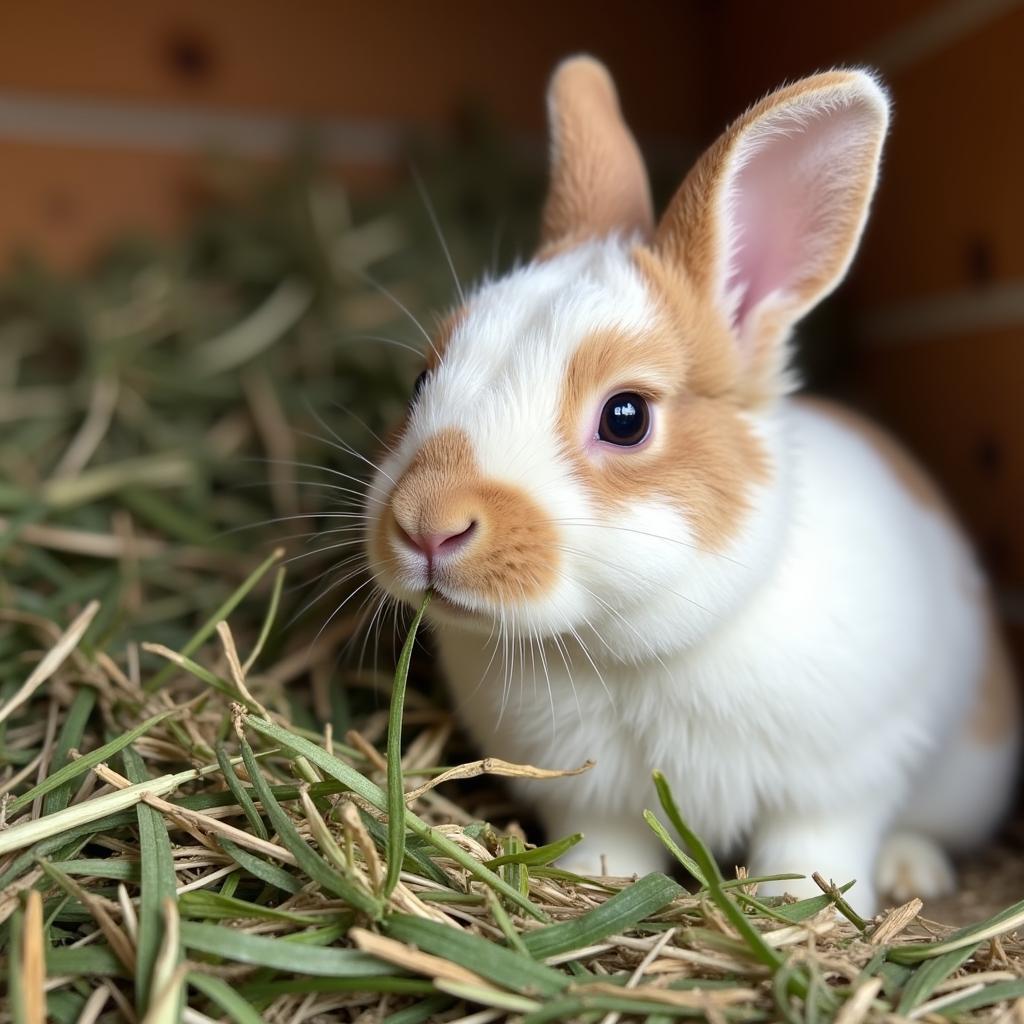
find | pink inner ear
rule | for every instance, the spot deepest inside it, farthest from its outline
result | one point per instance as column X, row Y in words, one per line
column 788, row 206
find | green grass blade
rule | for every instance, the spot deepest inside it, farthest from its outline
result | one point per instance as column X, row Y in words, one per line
column 396, row 784
column 417, row 852
column 782, row 876
column 990, row 994
column 362, row 786
column 96, row 961
column 427, row 1010
column 927, row 978
column 621, row 912
column 279, row 954
column 495, row 963
column 71, row 771
column 1005, row 921
column 894, row 978
column 333, row 766
column 225, row 996
column 488, row 996
column 63, row 843
column 539, row 856
column 70, row 738
column 515, row 873
column 804, row 909
column 271, row 874
column 308, row 860
column 212, row 906
column 64, row 1007
column 210, row 625
column 120, row 869
column 674, row 848
column 268, row 620
column 15, row 989
column 260, row 990
column 575, row 1007
column 214, row 681
column 713, row 879
column 504, row 922
column 159, row 883
column 240, row 793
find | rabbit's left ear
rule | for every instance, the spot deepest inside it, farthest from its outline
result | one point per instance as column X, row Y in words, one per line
column 598, row 183
column 767, row 222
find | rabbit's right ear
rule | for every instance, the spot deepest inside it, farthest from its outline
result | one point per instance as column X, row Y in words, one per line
column 766, row 223
column 598, row 183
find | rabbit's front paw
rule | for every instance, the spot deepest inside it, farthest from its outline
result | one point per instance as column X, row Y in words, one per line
column 911, row 864
column 616, row 846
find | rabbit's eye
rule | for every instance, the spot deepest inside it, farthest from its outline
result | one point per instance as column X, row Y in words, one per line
column 625, row 419
column 418, row 387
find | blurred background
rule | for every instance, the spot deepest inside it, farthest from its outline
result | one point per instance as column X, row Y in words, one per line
column 193, row 195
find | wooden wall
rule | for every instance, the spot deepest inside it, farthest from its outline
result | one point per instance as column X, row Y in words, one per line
column 92, row 138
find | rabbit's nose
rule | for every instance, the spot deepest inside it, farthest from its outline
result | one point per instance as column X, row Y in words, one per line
column 433, row 544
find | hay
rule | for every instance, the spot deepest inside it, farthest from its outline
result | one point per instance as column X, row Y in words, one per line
column 198, row 815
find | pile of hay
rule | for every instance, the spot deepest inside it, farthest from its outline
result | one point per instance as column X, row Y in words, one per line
column 198, row 816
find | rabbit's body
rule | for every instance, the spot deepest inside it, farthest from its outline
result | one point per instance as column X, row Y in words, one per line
column 762, row 727
column 645, row 552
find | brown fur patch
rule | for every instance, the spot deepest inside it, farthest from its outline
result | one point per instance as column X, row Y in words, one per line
column 699, row 330
column 997, row 712
column 513, row 553
column 703, row 456
column 907, row 470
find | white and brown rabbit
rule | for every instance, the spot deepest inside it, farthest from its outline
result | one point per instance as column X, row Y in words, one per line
column 646, row 551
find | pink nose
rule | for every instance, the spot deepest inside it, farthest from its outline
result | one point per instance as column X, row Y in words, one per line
column 434, row 544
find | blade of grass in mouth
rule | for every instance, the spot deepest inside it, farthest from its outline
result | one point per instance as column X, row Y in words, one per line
column 396, row 784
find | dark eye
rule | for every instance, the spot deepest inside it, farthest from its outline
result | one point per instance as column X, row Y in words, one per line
column 625, row 419
column 418, row 387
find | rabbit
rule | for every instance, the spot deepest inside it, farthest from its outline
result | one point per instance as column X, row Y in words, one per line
column 646, row 550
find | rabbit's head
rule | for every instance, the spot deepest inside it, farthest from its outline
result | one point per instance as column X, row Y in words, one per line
column 593, row 446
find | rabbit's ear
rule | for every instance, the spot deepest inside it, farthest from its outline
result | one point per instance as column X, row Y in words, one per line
column 598, row 182
column 767, row 222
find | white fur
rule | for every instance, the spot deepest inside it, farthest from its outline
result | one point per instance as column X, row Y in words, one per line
column 804, row 691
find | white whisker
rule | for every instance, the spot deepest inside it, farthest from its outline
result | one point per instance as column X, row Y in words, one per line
column 366, row 426
column 321, row 469
column 318, row 483
column 391, row 297
column 625, row 568
column 432, row 213
column 331, row 586
column 344, row 447
column 647, row 533
column 334, row 614
column 387, row 341
column 320, row 551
